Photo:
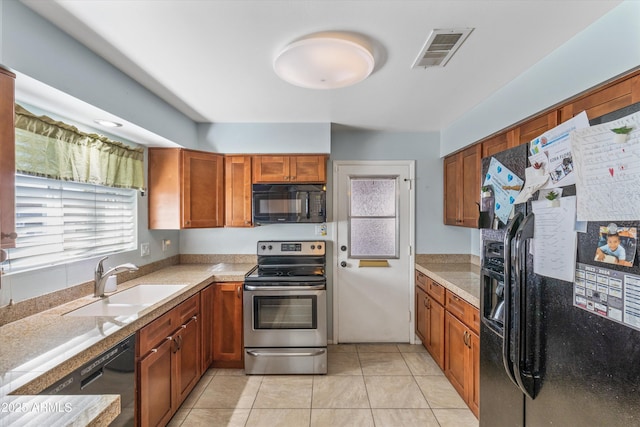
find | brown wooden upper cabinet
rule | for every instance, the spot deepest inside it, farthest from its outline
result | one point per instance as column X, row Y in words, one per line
column 462, row 187
column 237, row 191
column 185, row 189
column 532, row 128
column 285, row 169
column 7, row 160
column 609, row 98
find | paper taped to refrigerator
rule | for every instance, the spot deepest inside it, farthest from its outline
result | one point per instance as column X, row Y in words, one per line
column 555, row 239
column 506, row 186
column 612, row 294
column 608, row 171
column 555, row 145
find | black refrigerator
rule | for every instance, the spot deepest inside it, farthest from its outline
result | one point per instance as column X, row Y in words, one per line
column 544, row 359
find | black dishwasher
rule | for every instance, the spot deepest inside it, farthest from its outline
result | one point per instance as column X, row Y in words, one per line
column 113, row 372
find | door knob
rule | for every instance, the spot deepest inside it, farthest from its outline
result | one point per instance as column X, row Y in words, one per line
column 343, row 248
column 343, row 264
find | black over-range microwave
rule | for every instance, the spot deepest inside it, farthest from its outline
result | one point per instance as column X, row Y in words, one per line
column 287, row 203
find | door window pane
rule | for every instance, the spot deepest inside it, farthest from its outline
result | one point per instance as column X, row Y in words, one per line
column 373, row 197
column 373, row 222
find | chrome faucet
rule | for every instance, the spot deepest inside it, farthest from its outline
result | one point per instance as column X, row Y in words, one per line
column 102, row 276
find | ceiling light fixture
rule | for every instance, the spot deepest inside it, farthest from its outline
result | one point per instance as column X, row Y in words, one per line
column 325, row 61
column 108, row 123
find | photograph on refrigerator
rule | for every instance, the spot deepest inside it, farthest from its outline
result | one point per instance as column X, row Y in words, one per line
column 616, row 245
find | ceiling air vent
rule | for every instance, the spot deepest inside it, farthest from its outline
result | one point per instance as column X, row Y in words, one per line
column 440, row 47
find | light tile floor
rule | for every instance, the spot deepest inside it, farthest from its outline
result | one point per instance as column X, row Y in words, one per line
column 367, row 385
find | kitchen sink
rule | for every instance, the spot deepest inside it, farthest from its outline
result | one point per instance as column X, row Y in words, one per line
column 128, row 302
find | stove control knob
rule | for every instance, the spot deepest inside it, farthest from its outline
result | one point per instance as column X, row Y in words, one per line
column 263, row 247
column 314, row 246
column 343, row 264
column 270, row 247
column 319, row 247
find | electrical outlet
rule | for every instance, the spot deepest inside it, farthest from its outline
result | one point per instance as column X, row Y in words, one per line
column 144, row 249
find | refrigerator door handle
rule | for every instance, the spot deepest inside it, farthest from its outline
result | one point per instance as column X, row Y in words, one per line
column 524, row 380
column 510, row 231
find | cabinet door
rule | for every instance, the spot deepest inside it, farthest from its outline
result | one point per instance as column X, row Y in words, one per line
column 202, row 190
column 227, row 326
column 605, row 100
column 206, row 326
column 271, row 169
column 455, row 365
column 237, row 191
column 494, row 145
column 473, row 384
column 7, row 159
column 187, row 358
column 451, row 190
column 532, row 128
column 165, row 199
column 156, row 386
column 421, row 315
column 308, row 169
column 435, row 331
column 470, row 177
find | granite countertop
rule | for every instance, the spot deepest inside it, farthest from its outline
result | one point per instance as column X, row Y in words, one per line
column 40, row 349
column 461, row 278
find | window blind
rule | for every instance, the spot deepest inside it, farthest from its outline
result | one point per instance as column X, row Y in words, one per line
column 60, row 221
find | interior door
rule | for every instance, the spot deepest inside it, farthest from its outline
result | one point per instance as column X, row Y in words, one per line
column 373, row 289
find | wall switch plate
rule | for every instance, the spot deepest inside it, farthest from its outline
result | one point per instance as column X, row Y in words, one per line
column 165, row 244
column 144, row 249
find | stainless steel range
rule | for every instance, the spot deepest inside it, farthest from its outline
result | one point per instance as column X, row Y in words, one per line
column 285, row 309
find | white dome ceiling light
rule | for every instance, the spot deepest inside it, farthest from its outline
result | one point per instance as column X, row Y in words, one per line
column 325, row 61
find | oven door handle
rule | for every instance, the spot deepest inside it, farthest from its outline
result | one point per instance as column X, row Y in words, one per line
column 258, row 353
column 285, row 288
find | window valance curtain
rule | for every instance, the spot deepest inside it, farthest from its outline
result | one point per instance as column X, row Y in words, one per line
column 53, row 149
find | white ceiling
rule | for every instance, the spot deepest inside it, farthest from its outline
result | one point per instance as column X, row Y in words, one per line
column 212, row 59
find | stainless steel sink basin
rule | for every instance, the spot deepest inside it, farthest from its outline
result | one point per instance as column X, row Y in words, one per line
column 128, row 302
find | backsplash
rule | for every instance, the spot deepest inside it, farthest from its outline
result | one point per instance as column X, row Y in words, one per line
column 30, row 306
column 447, row 259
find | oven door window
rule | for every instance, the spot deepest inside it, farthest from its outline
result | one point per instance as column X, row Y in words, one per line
column 285, row 312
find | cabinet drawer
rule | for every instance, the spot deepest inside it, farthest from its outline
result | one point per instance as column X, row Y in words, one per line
column 459, row 308
column 152, row 335
column 436, row 291
column 155, row 332
column 187, row 309
column 421, row 281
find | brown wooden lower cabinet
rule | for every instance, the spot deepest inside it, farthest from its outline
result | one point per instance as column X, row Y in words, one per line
column 168, row 362
column 448, row 327
column 462, row 360
column 206, row 326
column 187, row 358
column 430, row 325
column 474, row 379
column 435, row 331
column 227, row 326
column 156, row 386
